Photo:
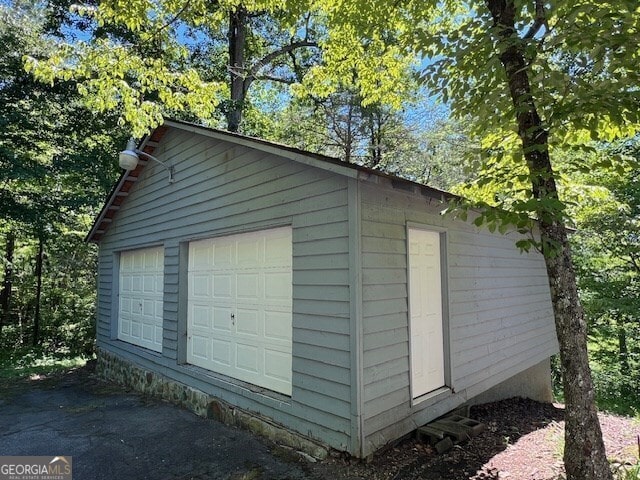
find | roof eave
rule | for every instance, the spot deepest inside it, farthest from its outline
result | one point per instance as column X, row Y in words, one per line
column 121, row 189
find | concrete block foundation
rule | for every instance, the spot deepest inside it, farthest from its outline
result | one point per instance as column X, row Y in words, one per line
column 533, row 383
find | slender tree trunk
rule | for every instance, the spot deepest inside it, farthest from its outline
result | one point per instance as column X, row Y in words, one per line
column 623, row 349
column 7, row 284
column 349, row 135
column 237, row 68
column 36, row 316
column 375, row 139
column 584, row 453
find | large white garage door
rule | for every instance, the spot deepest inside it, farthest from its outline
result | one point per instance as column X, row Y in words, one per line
column 140, row 293
column 239, row 314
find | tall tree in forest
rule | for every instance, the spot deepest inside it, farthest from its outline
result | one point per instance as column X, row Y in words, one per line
column 607, row 254
column 285, row 61
column 529, row 76
column 164, row 58
column 418, row 141
column 533, row 76
column 7, row 282
column 56, row 159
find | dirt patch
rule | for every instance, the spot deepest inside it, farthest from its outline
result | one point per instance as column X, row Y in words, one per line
column 523, row 440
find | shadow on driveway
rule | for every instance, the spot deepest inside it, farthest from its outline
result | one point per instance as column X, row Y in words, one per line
column 112, row 434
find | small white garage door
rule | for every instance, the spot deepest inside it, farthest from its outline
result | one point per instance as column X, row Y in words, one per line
column 239, row 307
column 140, row 294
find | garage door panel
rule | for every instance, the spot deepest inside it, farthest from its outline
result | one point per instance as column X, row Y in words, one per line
column 277, row 326
column 126, row 263
column 247, row 357
column 249, row 250
column 201, row 316
column 278, row 286
column 278, row 250
column 150, row 260
column 141, row 285
column 199, row 347
column 221, row 351
column 249, row 286
column 277, row 364
column 136, row 284
column 224, row 254
column 149, row 309
column 222, row 321
column 125, row 283
column 200, row 256
column 148, row 332
column 223, row 286
column 125, row 305
column 136, row 309
column 251, row 298
column 125, row 326
column 247, row 321
column 201, row 285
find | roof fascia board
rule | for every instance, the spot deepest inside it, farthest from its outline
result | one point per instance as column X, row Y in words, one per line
column 108, row 204
column 105, row 207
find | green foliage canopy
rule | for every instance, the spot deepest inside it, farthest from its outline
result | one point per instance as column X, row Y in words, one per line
column 146, row 58
column 56, row 166
column 582, row 58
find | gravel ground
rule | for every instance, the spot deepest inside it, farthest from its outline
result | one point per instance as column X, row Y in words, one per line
column 523, row 441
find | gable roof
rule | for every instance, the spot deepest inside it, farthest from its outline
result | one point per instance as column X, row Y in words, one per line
column 148, row 144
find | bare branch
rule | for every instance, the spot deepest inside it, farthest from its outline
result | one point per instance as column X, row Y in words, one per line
column 540, row 20
column 634, row 261
column 175, row 17
column 257, row 14
column 271, row 78
column 253, row 71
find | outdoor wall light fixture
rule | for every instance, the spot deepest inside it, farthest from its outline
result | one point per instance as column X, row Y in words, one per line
column 128, row 159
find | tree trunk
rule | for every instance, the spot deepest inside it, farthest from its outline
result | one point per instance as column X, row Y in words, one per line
column 36, row 316
column 237, row 68
column 584, row 453
column 7, row 284
column 349, row 134
column 375, row 138
column 623, row 349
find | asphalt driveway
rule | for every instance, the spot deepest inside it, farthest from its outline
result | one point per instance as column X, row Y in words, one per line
column 112, row 434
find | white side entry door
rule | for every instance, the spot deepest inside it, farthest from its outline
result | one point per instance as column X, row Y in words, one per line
column 425, row 312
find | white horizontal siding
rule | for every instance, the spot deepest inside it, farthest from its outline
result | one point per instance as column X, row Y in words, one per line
column 500, row 318
column 220, row 189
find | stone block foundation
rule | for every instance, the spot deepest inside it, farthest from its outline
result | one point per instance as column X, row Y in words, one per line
column 115, row 369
